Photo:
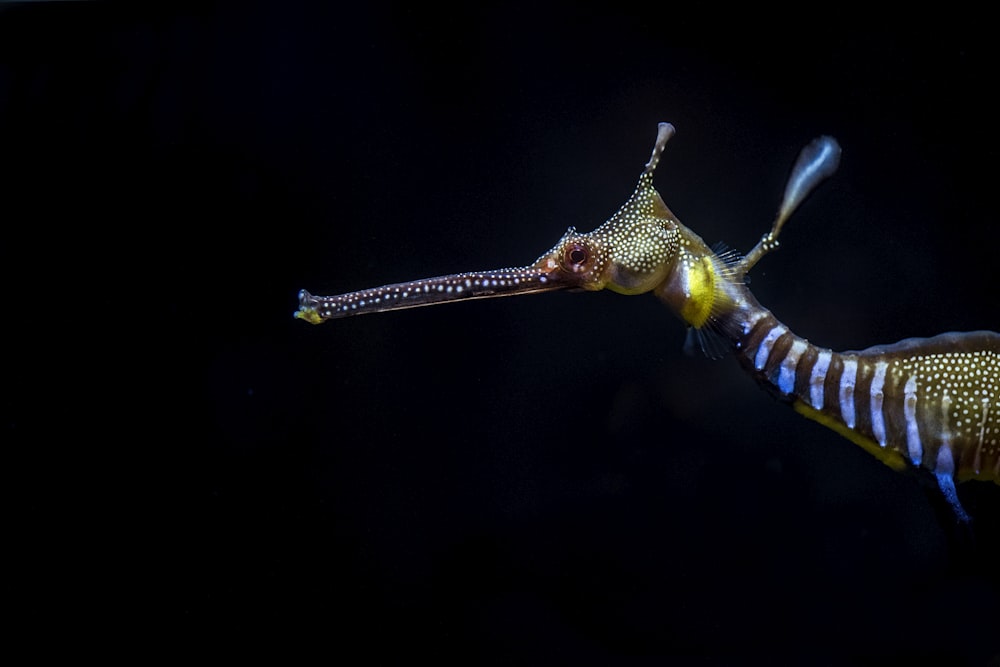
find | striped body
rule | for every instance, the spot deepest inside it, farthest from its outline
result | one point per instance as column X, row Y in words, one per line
column 929, row 402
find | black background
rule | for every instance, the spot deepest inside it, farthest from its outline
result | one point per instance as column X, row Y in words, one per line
column 546, row 479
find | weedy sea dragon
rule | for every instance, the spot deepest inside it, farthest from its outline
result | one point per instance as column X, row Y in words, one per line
column 930, row 403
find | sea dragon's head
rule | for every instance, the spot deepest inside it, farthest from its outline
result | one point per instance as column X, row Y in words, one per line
column 631, row 253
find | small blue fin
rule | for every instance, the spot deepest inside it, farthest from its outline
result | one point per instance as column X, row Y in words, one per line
column 708, row 341
column 947, row 485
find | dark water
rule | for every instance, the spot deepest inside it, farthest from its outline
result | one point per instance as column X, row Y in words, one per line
column 539, row 480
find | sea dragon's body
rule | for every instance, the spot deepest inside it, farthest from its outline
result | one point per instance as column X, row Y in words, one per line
column 930, row 403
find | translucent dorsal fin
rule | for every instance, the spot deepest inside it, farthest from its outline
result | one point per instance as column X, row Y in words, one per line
column 815, row 163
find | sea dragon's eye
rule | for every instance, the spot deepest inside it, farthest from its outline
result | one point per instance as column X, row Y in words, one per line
column 575, row 257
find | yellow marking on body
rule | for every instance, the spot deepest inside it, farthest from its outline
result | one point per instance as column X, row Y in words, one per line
column 701, row 285
column 888, row 456
column 309, row 315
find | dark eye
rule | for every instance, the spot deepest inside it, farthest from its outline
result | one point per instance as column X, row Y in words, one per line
column 575, row 256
